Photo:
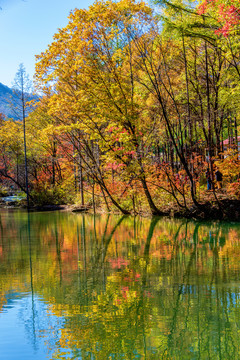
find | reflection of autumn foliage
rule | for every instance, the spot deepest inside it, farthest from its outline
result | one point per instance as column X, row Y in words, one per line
column 118, row 263
column 231, row 249
column 114, row 279
column 2, row 300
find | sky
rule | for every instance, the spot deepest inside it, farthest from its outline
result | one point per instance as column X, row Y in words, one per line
column 27, row 28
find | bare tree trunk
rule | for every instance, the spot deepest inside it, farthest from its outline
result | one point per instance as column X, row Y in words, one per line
column 25, row 150
column 53, row 163
column 236, row 134
column 93, row 197
column 81, row 177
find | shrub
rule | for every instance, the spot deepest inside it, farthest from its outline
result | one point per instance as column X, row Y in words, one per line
column 49, row 196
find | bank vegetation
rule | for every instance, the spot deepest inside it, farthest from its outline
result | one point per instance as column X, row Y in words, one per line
column 136, row 104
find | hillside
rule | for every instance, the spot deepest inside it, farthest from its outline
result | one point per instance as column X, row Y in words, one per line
column 8, row 96
column 5, row 96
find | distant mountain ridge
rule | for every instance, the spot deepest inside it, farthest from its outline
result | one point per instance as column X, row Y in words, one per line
column 7, row 95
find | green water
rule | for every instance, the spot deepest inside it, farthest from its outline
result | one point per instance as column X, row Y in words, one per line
column 75, row 286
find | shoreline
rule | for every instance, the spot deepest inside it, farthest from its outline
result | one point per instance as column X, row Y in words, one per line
column 226, row 209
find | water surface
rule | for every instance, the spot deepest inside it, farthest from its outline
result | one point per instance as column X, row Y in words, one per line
column 76, row 286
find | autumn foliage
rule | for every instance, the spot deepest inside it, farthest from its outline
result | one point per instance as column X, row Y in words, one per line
column 134, row 108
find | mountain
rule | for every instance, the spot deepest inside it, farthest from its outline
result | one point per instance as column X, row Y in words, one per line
column 8, row 96
column 5, row 96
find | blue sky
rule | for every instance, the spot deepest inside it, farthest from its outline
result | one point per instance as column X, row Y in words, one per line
column 26, row 29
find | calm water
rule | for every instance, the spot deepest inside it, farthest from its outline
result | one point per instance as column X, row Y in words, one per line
column 77, row 287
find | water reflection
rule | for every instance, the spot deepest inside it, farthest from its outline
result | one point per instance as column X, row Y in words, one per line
column 108, row 287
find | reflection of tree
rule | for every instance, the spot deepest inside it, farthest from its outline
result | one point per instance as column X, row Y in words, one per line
column 106, row 241
column 33, row 330
column 182, row 286
column 131, row 326
column 58, row 251
column 140, row 306
column 197, row 312
column 154, row 288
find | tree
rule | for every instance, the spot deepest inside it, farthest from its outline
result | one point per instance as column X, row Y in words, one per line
column 22, row 87
column 94, row 85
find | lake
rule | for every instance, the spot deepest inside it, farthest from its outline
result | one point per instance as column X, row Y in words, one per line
column 75, row 286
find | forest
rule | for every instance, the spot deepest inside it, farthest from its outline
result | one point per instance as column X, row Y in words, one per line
column 137, row 107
